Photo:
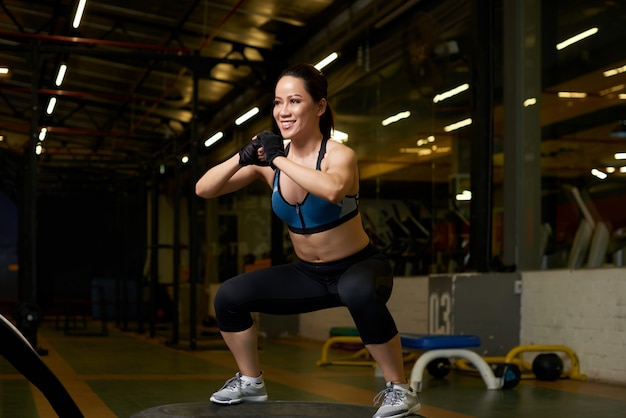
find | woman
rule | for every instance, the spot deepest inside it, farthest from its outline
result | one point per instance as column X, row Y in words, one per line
column 315, row 185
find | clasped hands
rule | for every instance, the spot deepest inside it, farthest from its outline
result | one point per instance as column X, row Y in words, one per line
column 272, row 147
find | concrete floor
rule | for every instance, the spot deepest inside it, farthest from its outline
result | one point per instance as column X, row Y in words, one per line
column 123, row 373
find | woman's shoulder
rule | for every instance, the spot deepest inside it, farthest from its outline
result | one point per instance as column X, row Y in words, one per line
column 334, row 147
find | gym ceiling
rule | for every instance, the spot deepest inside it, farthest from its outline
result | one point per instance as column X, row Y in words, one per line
column 127, row 101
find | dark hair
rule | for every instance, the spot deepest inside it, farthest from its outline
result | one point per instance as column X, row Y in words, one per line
column 316, row 85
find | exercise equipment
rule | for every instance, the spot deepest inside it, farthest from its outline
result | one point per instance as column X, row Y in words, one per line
column 345, row 337
column 27, row 319
column 547, row 366
column 21, row 354
column 509, row 374
column 439, row 367
column 258, row 409
column 438, row 349
column 516, row 356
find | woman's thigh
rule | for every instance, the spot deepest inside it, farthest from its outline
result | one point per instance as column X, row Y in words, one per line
column 282, row 289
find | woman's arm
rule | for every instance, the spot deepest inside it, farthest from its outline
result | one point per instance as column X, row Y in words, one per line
column 228, row 177
column 339, row 179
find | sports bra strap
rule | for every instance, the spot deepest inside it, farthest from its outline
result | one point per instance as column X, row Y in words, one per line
column 320, row 155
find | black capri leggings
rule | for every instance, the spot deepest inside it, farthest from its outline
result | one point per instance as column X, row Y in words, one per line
column 362, row 282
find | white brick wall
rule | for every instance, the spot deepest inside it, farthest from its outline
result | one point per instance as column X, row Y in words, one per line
column 408, row 305
column 582, row 309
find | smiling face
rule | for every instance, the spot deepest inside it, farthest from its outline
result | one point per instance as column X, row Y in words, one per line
column 295, row 112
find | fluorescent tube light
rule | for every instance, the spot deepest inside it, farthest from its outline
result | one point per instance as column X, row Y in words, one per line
column 249, row 114
column 51, row 104
column 458, row 125
column 79, row 14
column 613, row 89
column 324, row 63
column 213, row 139
column 599, row 174
column 530, row 102
column 464, row 196
column 572, row 95
column 453, row 92
column 396, row 117
column 576, row 38
column 60, row 75
column 620, row 156
column 614, row 71
column 421, row 152
column 425, row 141
column 42, row 134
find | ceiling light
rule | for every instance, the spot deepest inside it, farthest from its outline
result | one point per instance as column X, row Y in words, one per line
column 620, row 156
column 249, row 114
column 60, row 75
column 530, row 102
column 425, row 141
column 42, row 134
column 622, row 169
column 340, row 136
column 452, row 92
column 396, row 117
column 51, row 104
column 38, row 149
column 324, row 63
column 184, row 159
column 613, row 89
column 576, row 38
column 213, row 139
column 464, row 196
column 614, row 71
column 621, row 96
column 5, row 72
column 572, row 95
column 458, row 125
column 599, row 174
column 422, row 152
column 79, row 14
column 610, row 170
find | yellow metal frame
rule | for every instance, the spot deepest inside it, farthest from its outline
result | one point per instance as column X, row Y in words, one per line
column 515, row 356
column 360, row 358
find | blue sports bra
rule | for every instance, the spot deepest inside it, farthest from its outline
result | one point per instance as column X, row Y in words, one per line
column 313, row 214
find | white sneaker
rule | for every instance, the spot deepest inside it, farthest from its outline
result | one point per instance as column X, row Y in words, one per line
column 396, row 402
column 237, row 390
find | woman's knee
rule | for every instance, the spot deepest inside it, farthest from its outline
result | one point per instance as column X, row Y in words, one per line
column 226, row 297
column 230, row 314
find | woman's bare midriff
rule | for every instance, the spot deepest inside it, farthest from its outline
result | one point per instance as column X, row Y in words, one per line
column 335, row 244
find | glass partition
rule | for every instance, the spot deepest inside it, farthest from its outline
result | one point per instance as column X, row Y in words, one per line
column 403, row 95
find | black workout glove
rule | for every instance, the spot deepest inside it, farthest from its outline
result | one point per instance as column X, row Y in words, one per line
column 248, row 154
column 272, row 146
